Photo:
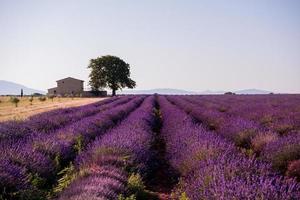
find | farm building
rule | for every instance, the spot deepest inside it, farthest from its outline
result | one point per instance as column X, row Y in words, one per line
column 72, row 86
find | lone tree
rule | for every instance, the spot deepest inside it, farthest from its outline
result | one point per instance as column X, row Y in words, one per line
column 110, row 71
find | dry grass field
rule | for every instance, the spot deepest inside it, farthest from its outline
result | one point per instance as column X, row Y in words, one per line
column 8, row 110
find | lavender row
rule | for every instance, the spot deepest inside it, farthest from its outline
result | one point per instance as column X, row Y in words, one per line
column 37, row 162
column 260, row 125
column 37, row 140
column 212, row 168
column 104, row 162
column 49, row 121
column 278, row 113
column 237, row 129
column 283, row 152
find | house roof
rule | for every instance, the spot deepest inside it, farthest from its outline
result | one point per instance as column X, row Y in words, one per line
column 69, row 78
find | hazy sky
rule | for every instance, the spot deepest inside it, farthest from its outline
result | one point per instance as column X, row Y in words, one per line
column 192, row 45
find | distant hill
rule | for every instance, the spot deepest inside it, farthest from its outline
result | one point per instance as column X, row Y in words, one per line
column 252, row 91
column 212, row 92
column 158, row 91
column 178, row 91
column 11, row 88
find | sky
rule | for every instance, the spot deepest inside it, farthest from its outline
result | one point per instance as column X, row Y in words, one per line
column 193, row 45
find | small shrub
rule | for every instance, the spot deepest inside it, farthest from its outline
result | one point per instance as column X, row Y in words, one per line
column 229, row 93
column 261, row 139
column 31, row 100
column 15, row 101
column 243, row 138
column 266, row 120
column 68, row 175
column 183, row 196
column 131, row 197
column 37, row 181
column 79, row 143
column 57, row 160
column 137, row 188
column 42, row 98
column 51, row 97
column 135, row 183
column 284, row 129
column 281, row 159
column 294, row 169
column 213, row 125
column 222, row 109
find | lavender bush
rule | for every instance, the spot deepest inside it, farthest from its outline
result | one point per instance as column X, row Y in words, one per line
column 48, row 121
column 214, row 168
column 246, row 132
column 103, row 163
column 220, row 147
column 42, row 155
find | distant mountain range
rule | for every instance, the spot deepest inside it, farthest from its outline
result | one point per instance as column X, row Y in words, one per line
column 252, row 91
column 178, row 91
column 158, row 91
column 10, row 88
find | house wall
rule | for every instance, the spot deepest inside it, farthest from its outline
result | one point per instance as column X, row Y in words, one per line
column 69, row 86
column 52, row 91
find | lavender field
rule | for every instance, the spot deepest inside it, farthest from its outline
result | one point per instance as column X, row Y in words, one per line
column 156, row 147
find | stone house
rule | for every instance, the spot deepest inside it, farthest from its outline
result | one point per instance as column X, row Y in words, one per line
column 72, row 86
column 67, row 86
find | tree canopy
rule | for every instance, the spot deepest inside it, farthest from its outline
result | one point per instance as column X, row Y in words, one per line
column 110, row 71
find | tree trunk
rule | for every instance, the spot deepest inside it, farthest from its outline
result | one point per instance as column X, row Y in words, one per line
column 113, row 92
